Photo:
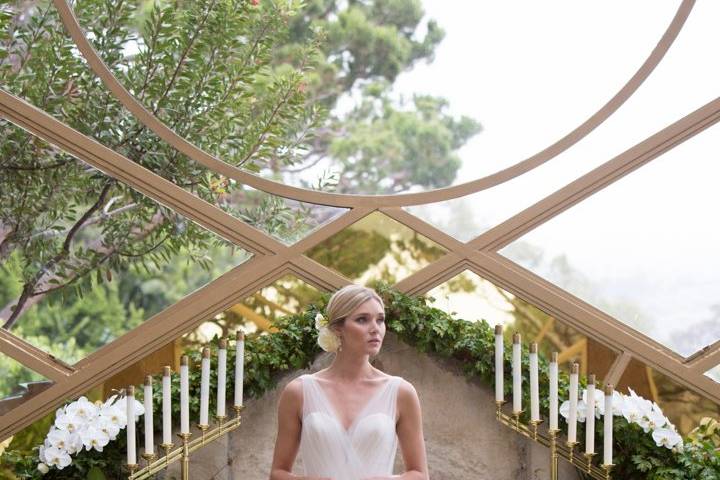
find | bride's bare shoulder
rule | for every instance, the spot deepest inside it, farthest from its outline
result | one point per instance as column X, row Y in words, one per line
column 292, row 394
column 407, row 393
column 294, row 386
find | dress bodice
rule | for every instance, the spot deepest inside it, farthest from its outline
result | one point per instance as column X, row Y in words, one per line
column 364, row 450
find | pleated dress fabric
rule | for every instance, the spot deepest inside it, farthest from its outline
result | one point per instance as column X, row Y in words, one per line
column 364, row 450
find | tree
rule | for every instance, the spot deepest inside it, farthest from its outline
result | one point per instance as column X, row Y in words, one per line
column 246, row 81
column 202, row 68
column 369, row 43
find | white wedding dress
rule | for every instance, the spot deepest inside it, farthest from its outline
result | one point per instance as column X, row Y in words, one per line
column 365, row 450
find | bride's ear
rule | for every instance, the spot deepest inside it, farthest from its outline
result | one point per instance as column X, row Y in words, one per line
column 337, row 330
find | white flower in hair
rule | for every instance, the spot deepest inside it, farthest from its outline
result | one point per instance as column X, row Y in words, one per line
column 327, row 340
column 320, row 321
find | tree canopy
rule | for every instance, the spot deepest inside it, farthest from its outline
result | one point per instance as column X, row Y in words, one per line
column 256, row 83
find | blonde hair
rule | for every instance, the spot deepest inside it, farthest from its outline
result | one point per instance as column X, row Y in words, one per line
column 346, row 300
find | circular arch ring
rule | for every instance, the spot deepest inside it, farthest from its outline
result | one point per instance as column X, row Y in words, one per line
column 373, row 201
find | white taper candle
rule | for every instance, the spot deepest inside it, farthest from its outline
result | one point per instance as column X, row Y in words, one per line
column 221, row 372
column 572, row 417
column 205, row 386
column 499, row 364
column 130, row 427
column 608, row 427
column 517, row 374
column 239, row 367
column 553, row 374
column 166, row 407
column 534, row 384
column 147, row 401
column 590, row 416
column 184, row 395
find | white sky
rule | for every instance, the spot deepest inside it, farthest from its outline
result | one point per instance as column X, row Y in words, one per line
column 530, row 72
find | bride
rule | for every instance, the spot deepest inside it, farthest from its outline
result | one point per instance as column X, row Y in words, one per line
column 346, row 420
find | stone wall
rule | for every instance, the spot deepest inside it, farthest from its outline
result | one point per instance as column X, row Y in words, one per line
column 463, row 438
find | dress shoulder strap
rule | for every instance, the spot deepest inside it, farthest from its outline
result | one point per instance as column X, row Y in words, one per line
column 313, row 399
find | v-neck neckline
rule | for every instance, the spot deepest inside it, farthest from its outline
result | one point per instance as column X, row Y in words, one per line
column 334, row 411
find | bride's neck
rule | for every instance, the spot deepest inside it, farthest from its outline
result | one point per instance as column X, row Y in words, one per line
column 351, row 369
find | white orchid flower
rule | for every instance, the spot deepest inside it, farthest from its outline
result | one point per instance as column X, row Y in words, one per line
column 75, row 443
column 83, row 408
column 57, row 458
column 599, row 401
column 115, row 414
column 618, row 402
column 139, row 409
column 632, row 411
column 59, row 439
column 565, row 409
column 656, row 419
column 108, row 426
column 666, row 437
column 41, row 453
column 94, row 438
column 42, row 468
column 581, row 410
column 644, row 423
column 644, row 405
column 68, row 422
column 109, row 402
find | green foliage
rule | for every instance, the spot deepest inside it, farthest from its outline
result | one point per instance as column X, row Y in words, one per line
column 76, row 326
column 202, row 67
column 294, row 346
column 707, row 431
column 380, row 146
column 390, row 148
column 351, row 252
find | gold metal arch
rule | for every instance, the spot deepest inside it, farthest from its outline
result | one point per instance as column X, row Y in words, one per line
column 344, row 200
column 272, row 259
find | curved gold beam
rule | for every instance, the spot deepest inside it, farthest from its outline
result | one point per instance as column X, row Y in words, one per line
column 345, row 200
column 597, row 179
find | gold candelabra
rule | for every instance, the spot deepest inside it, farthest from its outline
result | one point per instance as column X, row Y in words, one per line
column 154, row 464
column 551, row 439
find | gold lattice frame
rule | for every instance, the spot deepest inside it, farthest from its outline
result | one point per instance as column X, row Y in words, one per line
column 272, row 259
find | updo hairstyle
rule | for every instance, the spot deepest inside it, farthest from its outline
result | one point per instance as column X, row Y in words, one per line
column 346, row 300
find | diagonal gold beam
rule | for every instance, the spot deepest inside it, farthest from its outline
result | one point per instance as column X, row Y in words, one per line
column 329, row 229
column 430, row 231
column 618, row 368
column 589, row 320
column 156, row 332
column 317, row 274
column 138, row 177
column 705, row 359
column 599, row 178
column 437, row 272
column 32, row 357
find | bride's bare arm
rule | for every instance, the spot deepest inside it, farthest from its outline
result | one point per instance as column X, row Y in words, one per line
column 287, row 442
column 410, row 434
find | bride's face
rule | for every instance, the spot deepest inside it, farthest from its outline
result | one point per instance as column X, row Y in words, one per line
column 364, row 329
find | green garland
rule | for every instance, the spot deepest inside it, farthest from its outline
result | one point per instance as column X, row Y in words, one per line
column 294, row 346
